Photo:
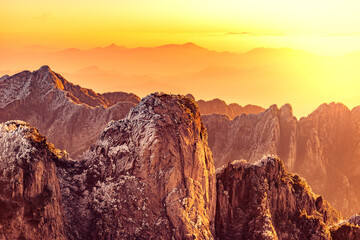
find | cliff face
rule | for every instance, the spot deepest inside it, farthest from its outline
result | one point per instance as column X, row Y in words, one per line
column 72, row 117
column 30, row 200
column 264, row 201
column 251, row 136
column 150, row 175
column 322, row 147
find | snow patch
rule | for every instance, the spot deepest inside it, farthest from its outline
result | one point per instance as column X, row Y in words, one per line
column 10, row 91
column 15, row 146
column 264, row 160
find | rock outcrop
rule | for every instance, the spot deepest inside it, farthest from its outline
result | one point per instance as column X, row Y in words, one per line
column 264, row 201
column 70, row 116
column 30, row 200
column 149, row 176
column 323, row 147
column 349, row 229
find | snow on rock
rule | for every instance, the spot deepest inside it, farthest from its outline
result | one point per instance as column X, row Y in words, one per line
column 349, row 229
column 17, row 88
column 150, row 175
column 30, row 200
column 264, row 201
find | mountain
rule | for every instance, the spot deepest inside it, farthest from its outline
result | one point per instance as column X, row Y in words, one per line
column 72, row 117
column 232, row 110
column 151, row 176
column 322, row 147
column 264, row 201
column 66, row 112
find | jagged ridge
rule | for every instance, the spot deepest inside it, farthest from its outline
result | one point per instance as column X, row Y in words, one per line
column 72, row 117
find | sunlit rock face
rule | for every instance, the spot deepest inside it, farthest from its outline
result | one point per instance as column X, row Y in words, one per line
column 70, row 116
column 264, row 201
column 149, row 176
column 251, row 136
column 323, row 147
column 30, row 200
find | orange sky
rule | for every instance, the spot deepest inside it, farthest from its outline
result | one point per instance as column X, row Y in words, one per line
column 324, row 27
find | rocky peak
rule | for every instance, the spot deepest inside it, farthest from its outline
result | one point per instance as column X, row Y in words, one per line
column 4, row 77
column 264, row 201
column 330, row 110
column 30, row 200
column 44, row 82
column 157, row 172
column 286, row 110
column 71, row 116
column 190, row 96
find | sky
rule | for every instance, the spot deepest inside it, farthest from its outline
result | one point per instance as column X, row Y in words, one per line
column 329, row 27
column 326, row 28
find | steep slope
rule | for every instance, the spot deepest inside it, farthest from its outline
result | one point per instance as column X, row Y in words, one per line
column 72, row 117
column 231, row 110
column 30, row 200
column 327, row 155
column 251, row 136
column 322, row 147
column 264, row 201
column 149, row 176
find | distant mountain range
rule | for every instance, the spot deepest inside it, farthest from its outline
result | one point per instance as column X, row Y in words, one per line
column 262, row 76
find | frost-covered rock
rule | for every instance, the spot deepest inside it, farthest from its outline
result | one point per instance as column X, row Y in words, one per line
column 70, row 116
column 30, row 200
column 264, row 201
column 149, row 176
column 349, row 230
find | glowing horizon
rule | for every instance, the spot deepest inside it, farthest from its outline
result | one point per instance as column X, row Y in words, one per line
column 322, row 27
column 327, row 29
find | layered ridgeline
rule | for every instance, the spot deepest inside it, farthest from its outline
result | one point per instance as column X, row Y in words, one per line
column 323, row 147
column 231, row 110
column 151, row 176
column 70, row 116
